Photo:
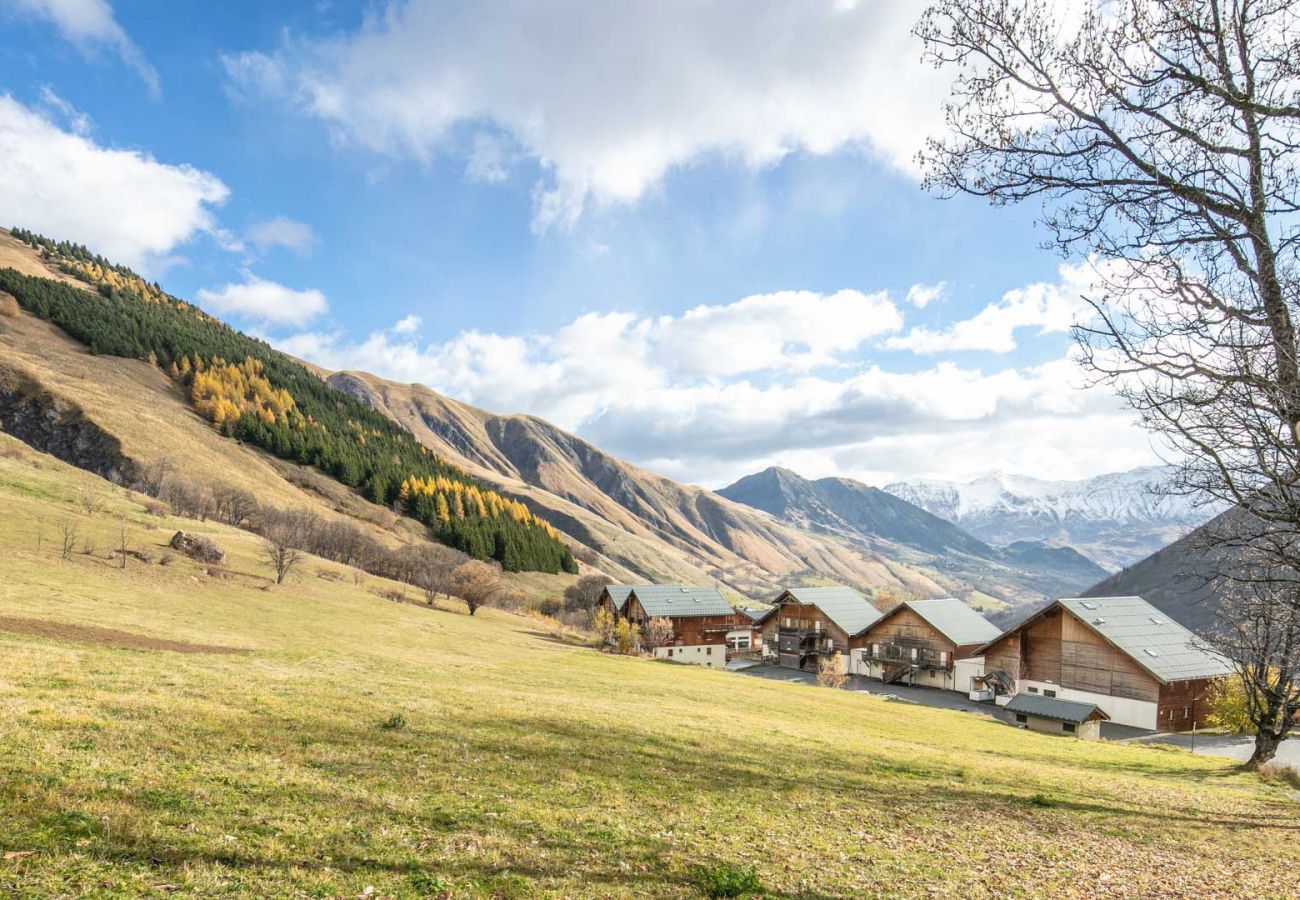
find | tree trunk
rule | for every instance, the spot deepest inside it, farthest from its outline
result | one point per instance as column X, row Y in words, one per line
column 1266, row 744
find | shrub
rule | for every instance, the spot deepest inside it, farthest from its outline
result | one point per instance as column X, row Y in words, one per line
column 1288, row 775
column 11, row 453
column 1227, row 698
column 395, row 722
column 727, row 880
column 167, row 558
column 155, row 508
column 549, row 606
column 1041, row 800
column 8, row 306
column 829, row 672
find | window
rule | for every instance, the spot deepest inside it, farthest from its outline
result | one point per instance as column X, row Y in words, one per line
column 708, row 652
column 1022, row 718
column 1033, row 690
column 1068, row 726
column 670, row 652
column 1047, row 693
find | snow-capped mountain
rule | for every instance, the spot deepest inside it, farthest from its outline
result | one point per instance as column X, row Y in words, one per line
column 1115, row 519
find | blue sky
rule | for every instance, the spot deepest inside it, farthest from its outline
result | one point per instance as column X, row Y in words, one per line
column 691, row 231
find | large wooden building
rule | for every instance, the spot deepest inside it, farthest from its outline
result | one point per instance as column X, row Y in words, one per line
column 1139, row 666
column 920, row 642
column 701, row 618
column 806, row 625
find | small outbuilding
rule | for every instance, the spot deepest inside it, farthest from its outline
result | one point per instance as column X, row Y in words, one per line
column 1052, row 715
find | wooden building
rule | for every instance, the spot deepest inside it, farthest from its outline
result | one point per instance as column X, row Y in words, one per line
column 920, row 642
column 807, row 625
column 613, row 598
column 1135, row 663
column 1055, row 716
column 701, row 617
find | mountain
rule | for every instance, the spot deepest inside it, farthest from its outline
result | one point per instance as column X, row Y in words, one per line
column 1023, row 572
column 638, row 521
column 1115, row 519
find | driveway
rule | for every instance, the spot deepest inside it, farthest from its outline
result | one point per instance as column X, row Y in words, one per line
column 1231, row 746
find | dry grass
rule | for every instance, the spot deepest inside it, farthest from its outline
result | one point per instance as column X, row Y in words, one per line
column 362, row 744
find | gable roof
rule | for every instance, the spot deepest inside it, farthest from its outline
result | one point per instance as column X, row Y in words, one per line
column 1162, row 647
column 1054, row 708
column 844, row 606
column 756, row 616
column 618, row 593
column 951, row 618
column 680, row 600
column 1154, row 641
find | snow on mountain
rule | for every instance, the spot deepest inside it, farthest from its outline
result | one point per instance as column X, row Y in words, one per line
column 1115, row 519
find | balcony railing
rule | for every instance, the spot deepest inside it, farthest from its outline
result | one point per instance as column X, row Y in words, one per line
column 902, row 655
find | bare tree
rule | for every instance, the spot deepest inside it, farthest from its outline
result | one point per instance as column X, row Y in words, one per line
column 1159, row 136
column 830, row 673
column 284, row 534
column 68, row 532
column 585, row 593
column 658, row 633
column 477, row 583
column 233, row 505
column 434, row 570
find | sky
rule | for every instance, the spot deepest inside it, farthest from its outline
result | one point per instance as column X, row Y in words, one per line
column 691, row 231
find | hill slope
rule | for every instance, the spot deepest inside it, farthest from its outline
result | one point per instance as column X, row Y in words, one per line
column 170, row 733
column 643, row 522
column 1025, row 572
column 1114, row 519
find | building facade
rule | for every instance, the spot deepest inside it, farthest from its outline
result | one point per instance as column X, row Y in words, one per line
column 808, row 625
column 921, row 642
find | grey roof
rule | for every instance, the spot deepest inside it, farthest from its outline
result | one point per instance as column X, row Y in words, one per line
column 681, row 600
column 844, row 606
column 954, row 620
column 756, row 615
column 1153, row 640
column 1053, row 708
column 619, row 593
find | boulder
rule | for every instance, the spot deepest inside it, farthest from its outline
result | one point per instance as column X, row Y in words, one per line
column 196, row 546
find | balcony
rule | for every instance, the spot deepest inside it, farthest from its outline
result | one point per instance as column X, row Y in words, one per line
column 904, row 655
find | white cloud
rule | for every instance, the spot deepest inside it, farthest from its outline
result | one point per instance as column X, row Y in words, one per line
column 1047, row 308
column 121, row 203
column 718, row 391
column 282, row 231
column 264, row 301
column 407, row 325
column 609, row 97
column 89, row 24
column 78, row 122
column 922, row 295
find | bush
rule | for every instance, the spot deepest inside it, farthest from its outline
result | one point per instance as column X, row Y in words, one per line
column 549, row 606
column 8, row 306
column 1041, row 800
column 1227, row 697
column 728, row 880
column 1288, row 775
column 829, row 672
column 395, row 722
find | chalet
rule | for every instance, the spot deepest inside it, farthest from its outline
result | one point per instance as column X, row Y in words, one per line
column 702, row 620
column 1056, row 716
column 1122, row 654
column 613, row 598
column 922, row 642
column 807, row 625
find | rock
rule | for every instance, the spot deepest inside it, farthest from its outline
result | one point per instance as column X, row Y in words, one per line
column 196, row 546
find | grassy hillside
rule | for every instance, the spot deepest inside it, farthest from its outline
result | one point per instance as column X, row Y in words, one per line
column 251, row 756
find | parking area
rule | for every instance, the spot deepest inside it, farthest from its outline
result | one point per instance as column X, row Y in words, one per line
column 1231, row 746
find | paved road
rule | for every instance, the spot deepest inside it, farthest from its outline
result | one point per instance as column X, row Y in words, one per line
column 1231, row 746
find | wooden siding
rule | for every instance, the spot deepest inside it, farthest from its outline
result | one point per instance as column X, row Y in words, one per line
column 907, row 629
column 692, row 631
column 1183, row 704
column 806, row 617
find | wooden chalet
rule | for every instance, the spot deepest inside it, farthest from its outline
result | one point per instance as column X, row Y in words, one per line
column 807, row 625
column 613, row 598
column 921, row 642
column 1135, row 663
column 701, row 617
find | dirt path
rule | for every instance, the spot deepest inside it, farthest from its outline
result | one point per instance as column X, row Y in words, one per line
column 105, row 637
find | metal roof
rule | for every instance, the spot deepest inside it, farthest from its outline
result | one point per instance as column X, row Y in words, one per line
column 1054, row 708
column 756, row 615
column 953, row 619
column 1153, row 640
column 844, row 606
column 680, row 600
column 619, row 593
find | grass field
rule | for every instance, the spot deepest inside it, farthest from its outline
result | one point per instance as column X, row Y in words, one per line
column 318, row 740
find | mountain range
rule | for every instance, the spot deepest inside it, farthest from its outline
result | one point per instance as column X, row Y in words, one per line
column 1114, row 519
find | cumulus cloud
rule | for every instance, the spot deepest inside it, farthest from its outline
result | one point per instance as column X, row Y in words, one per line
column 89, row 25
column 121, row 203
column 263, row 301
column 609, row 97
column 922, row 295
column 407, row 325
column 282, row 231
column 718, row 391
column 1046, row 308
